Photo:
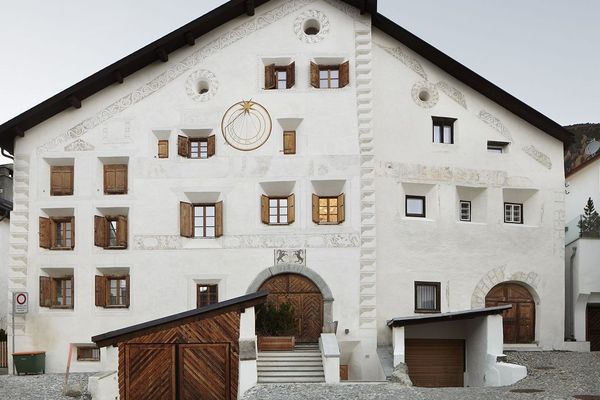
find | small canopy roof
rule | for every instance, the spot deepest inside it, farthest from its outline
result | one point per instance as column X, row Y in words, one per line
column 450, row 316
column 235, row 304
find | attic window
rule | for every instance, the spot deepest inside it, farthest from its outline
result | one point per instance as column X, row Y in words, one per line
column 497, row 147
column 312, row 27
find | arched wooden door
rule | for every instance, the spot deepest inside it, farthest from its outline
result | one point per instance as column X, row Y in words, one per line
column 519, row 321
column 306, row 299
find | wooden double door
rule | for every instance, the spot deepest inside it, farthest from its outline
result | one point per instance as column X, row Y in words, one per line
column 593, row 326
column 436, row 362
column 519, row 321
column 178, row 371
column 306, row 299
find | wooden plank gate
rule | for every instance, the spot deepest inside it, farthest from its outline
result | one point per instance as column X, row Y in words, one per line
column 4, row 354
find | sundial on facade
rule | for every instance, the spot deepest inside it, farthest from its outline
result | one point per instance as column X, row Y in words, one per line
column 246, row 125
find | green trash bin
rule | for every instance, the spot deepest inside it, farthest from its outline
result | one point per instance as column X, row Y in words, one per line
column 30, row 362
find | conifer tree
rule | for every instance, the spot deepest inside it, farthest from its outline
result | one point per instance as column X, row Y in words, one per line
column 590, row 220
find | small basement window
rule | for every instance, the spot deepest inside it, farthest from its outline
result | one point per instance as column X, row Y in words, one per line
column 88, row 353
column 415, row 206
column 497, row 147
column 427, row 296
column 443, row 130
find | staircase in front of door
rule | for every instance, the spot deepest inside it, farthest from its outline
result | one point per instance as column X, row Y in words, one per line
column 303, row 365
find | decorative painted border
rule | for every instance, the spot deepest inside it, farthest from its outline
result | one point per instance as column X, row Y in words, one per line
column 430, row 89
column 191, row 85
column 538, row 156
column 495, row 123
column 453, row 93
column 306, row 16
column 79, row 145
column 406, row 59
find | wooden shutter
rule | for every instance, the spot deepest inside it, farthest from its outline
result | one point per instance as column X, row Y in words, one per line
column 315, row 208
column 121, row 178
column 289, row 142
column 290, row 75
column 101, row 291
column 72, row 232
column 344, row 74
column 100, row 231
column 45, row 227
column 122, row 231
column 314, row 75
column 115, row 179
column 45, row 291
column 186, row 215
column 341, row 208
column 210, row 145
column 163, row 149
column 264, row 209
column 183, row 146
column 127, row 291
column 72, row 292
column 270, row 82
column 219, row 219
column 52, row 233
column 61, row 180
column 291, row 208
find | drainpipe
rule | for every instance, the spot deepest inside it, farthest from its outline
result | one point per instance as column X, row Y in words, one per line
column 569, row 301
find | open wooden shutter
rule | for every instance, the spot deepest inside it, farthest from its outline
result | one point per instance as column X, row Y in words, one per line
column 53, row 228
column 210, row 145
column 186, row 212
column 289, row 142
column 341, row 208
column 127, row 291
column 100, row 231
column 72, row 232
column 264, row 209
column 45, row 291
column 219, row 219
column 72, row 292
column 163, row 149
column 183, row 146
column 344, row 74
column 61, row 180
column 101, row 291
column 270, row 82
column 44, row 233
column 314, row 75
column 315, row 208
column 290, row 75
column 291, row 208
column 122, row 231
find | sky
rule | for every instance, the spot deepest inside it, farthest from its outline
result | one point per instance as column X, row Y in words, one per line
column 544, row 52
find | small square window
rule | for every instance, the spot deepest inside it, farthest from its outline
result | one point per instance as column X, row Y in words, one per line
column 465, row 210
column 427, row 296
column 206, row 294
column 497, row 147
column 443, row 130
column 415, row 206
column 513, row 213
column 88, row 353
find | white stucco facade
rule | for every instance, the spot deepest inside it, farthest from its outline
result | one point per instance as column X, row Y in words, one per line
column 370, row 140
column 4, row 293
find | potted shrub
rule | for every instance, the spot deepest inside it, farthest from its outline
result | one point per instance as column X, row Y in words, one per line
column 275, row 327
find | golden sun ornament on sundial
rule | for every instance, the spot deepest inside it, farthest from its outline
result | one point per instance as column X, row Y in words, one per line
column 246, row 125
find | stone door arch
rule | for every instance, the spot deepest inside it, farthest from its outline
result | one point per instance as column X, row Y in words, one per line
column 306, row 299
column 519, row 321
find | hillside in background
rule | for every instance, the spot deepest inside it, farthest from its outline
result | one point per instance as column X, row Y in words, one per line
column 584, row 133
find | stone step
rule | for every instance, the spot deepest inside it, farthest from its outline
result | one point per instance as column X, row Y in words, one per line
column 282, row 364
column 291, row 354
column 268, row 374
column 289, row 368
column 291, row 379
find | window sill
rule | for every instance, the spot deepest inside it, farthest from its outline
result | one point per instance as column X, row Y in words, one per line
column 471, row 223
column 115, row 248
column 519, row 225
column 330, row 223
column 407, row 218
column 116, row 307
column 61, row 248
column 87, row 360
column 427, row 312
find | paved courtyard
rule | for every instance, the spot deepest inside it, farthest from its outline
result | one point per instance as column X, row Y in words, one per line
column 558, row 375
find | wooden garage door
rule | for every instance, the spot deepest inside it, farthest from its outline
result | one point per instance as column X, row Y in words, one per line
column 150, row 371
column 519, row 321
column 306, row 299
column 436, row 362
column 204, row 371
column 593, row 326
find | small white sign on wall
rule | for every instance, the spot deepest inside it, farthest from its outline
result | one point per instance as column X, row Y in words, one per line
column 290, row 256
column 20, row 302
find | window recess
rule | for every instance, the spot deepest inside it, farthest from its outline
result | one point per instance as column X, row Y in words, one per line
column 61, row 180
column 443, row 130
column 328, row 209
column 112, row 291
column 198, row 148
column 57, row 233
column 280, row 76
column 110, row 232
column 330, row 76
column 206, row 294
column 277, row 210
column 201, row 220
column 427, row 297
column 56, row 292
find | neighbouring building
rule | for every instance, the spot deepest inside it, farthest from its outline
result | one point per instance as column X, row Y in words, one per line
column 312, row 148
column 6, row 198
column 582, row 254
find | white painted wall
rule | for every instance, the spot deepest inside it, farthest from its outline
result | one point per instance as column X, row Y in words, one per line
column 4, row 293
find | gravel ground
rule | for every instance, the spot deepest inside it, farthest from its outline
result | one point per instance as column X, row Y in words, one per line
column 39, row 387
column 560, row 375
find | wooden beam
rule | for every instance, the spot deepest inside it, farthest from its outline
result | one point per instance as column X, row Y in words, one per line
column 74, row 101
column 363, row 8
column 118, row 76
column 190, row 39
column 19, row 131
column 162, row 54
column 250, row 8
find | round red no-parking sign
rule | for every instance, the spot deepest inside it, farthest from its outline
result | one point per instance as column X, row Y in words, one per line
column 21, row 302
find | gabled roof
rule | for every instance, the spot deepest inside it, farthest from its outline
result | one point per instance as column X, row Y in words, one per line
column 211, row 310
column 449, row 316
column 186, row 35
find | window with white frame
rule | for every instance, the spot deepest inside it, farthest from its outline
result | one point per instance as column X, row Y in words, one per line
column 513, row 213
column 465, row 210
column 443, row 130
column 204, row 221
